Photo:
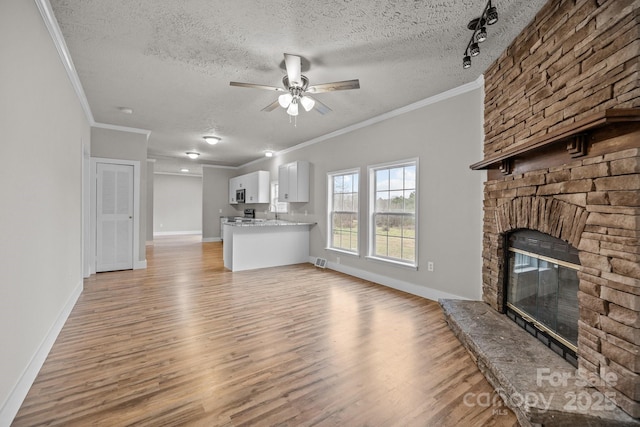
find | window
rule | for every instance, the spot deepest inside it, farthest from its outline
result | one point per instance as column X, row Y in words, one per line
column 343, row 211
column 275, row 205
column 393, row 211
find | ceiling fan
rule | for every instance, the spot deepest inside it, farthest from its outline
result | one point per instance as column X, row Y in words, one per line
column 297, row 89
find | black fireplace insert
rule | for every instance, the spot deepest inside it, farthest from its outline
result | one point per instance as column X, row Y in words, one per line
column 542, row 289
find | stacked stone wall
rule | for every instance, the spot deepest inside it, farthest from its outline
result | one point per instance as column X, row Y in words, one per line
column 577, row 58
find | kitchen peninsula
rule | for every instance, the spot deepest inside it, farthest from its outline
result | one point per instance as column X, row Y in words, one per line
column 264, row 243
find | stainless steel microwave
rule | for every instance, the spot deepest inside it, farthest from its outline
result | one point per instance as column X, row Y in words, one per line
column 240, row 196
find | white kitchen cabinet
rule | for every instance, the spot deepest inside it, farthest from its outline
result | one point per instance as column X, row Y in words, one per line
column 293, row 182
column 255, row 184
column 233, row 186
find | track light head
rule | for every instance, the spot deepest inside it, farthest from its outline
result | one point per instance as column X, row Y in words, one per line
column 466, row 62
column 492, row 15
column 474, row 50
column 481, row 35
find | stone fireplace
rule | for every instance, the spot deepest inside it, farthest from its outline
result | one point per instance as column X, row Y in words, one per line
column 562, row 151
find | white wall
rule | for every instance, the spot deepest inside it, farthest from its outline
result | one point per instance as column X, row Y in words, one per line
column 177, row 204
column 42, row 130
column 446, row 137
column 150, row 173
column 215, row 199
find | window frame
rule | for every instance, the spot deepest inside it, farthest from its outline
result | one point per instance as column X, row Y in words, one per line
column 274, row 205
column 330, row 211
column 371, row 237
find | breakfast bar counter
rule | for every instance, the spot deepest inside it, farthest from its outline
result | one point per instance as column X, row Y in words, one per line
column 264, row 243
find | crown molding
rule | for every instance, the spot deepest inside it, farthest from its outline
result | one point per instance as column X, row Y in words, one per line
column 220, row 167
column 183, row 174
column 58, row 40
column 50, row 21
column 122, row 128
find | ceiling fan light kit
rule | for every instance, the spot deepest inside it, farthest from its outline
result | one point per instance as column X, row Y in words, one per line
column 297, row 89
column 292, row 109
column 285, row 100
column 489, row 17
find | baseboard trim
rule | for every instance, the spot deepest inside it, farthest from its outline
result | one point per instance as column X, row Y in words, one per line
column 211, row 239
column 400, row 285
column 140, row 265
column 16, row 397
column 176, row 233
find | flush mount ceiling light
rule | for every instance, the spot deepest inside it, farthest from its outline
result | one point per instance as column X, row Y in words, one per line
column 268, row 153
column 192, row 154
column 489, row 17
column 212, row 140
column 184, row 170
column 125, row 110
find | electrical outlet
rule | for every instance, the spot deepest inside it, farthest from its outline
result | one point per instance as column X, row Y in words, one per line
column 219, row 210
column 430, row 266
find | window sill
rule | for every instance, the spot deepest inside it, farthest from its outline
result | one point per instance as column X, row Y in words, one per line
column 393, row 262
column 345, row 252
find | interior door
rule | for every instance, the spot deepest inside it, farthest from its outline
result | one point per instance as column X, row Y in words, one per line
column 114, row 225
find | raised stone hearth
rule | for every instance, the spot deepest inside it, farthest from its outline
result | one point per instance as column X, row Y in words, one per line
column 540, row 387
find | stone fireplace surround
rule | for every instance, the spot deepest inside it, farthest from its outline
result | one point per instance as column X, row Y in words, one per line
column 589, row 198
column 562, row 150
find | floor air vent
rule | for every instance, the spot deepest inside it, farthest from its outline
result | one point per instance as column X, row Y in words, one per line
column 321, row 262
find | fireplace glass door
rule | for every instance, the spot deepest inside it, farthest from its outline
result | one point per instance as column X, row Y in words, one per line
column 542, row 289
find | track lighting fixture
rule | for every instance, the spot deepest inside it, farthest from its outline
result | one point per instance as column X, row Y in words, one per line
column 489, row 17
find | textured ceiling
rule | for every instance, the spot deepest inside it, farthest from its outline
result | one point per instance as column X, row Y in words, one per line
column 172, row 61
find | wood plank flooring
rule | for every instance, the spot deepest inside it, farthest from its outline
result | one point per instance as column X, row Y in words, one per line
column 186, row 342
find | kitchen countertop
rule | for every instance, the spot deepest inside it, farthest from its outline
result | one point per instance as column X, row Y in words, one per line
column 265, row 223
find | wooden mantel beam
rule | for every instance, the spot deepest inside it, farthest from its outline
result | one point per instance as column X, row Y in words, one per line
column 575, row 136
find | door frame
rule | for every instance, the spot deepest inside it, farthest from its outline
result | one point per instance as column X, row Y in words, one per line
column 136, row 210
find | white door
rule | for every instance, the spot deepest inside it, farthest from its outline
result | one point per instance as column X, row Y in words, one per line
column 114, row 225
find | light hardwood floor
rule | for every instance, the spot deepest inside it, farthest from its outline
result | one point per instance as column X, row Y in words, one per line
column 186, row 342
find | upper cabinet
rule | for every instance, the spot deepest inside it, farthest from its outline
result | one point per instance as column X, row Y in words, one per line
column 255, row 186
column 293, row 182
column 234, row 184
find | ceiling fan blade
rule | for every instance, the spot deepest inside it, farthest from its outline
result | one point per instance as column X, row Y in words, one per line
column 256, row 86
column 294, row 69
column 320, row 107
column 275, row 104
column 332, row 87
